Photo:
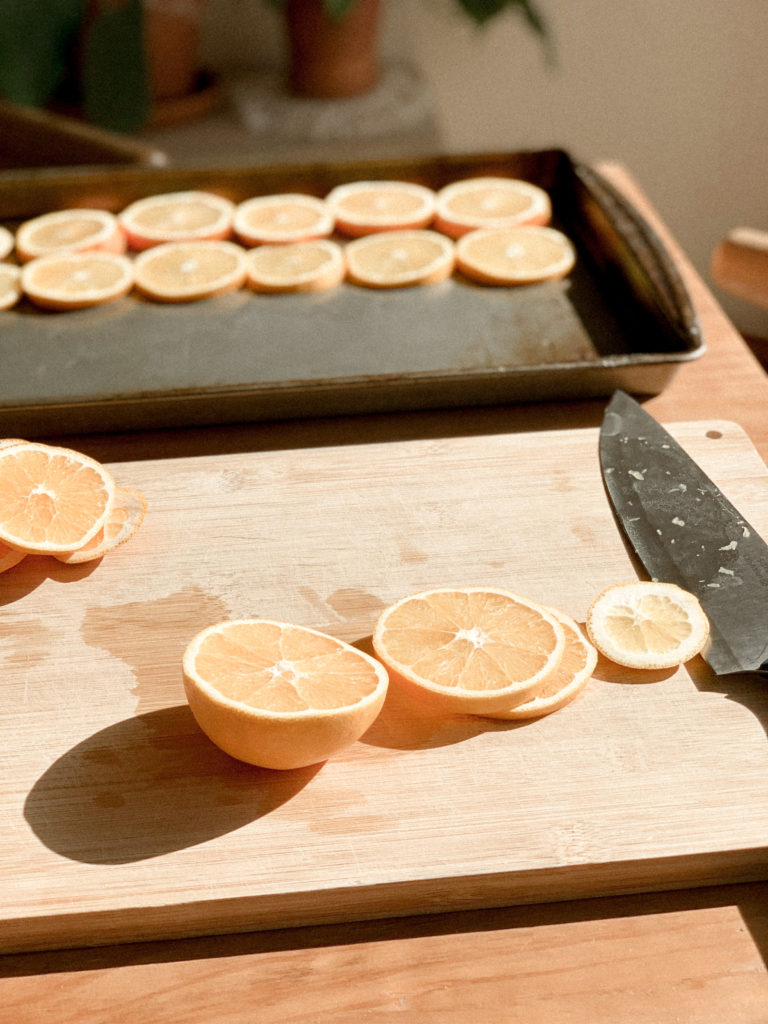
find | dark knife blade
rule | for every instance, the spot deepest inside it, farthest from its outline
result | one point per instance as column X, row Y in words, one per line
column 685, row 531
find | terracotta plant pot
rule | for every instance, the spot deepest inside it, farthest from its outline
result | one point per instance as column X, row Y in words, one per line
column 332, row 58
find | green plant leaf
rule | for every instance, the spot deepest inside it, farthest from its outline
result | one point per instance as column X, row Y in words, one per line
column 114, row 82
column 482, row 11
column 37, row 41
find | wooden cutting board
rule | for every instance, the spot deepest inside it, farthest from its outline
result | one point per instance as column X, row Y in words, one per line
column 121, row 821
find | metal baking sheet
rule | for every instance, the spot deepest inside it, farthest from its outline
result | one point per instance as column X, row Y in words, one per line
column 621, row 319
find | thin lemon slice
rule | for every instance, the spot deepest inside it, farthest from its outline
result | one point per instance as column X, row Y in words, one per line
column 515, row 256
column 280, row 695
column 400, row 259
column 489, row 202
column 125, row 517
column 288, row 217
column 366, row 207
column 296, row 266
column 189, row 271
column 647, row 625
column 189, row 216
column 75, row 230
column 72, row 280
column 10, row 285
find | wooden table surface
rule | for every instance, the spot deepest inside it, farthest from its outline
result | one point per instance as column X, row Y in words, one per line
column 694, row 956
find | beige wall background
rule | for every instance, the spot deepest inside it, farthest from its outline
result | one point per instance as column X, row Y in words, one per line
column 675, row 89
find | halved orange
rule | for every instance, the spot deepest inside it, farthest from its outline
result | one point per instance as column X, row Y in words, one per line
column 125, row 517
column 296, row 266
column 280, row 695
column 489, row 202
column 188, row 271
column 51, row 499
column 400, row 259
column 10, row 285
column 565, row 682
column 470, row 650
column 69, row 231
column 189, row 216
column 76, row 280
column 7, row 242
column 9, row 557
column 514, row 256
column 365, row 207
column 288, row 217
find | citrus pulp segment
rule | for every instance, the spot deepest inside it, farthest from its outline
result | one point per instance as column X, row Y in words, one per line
column 280, row 695
column 189, row 216
column 10, row 285
column 365, row 207
column 296, row 266
column 188, row 271
column 71, row 280
column 469, row 650
column 514, row 256
column 69, row 231
column 400, row 259
column 51, row 499
column 564, row 682
column 647, row 625
column 289, row 217
column 125, row 517
column 489, row 202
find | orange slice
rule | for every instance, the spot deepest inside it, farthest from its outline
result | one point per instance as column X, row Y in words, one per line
column 51, row 499
column 190, row 216
column 76, row 280
column 279, row 695
column 489, row 203
column 565, row 682
column 647, row 625
column 296, row 266
column 188, row 271
column 9, row 557
column 10, row 285
column 69, row 231
column 7, row 242
column 124, row 519
column 514, row 256
column 399, row 259
column 470, row 650
column 290, row 217
column 365, row 207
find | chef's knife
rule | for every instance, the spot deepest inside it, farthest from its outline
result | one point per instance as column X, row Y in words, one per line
column 685, row 531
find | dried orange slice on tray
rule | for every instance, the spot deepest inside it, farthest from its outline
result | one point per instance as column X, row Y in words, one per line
column 176, row 217
column 289, row 217
column 489, row 202
column 296, row 266
column 7, row 242
column 52, row 499
column 69, row 231
column 398, row 259
column 279, row 695
column 76, row 280
column 125, row 517
column 365, row 207
column 189, row 271
column 10, row 285
column 515, row 256
column 470, row 650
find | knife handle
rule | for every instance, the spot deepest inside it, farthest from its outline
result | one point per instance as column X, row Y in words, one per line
column 739, row 265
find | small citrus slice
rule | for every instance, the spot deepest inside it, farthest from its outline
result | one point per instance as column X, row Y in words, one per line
column 7, row 242
column 124, row 519
column 489, row 202
column 400, row 259
column 289, row 217
column 188, row 271
column 10, row 285
column 565, row 682
column 9, row 557
column 279, row 695
column 514, row 256
column 647, row 625
column 469, row 650
column 51, row 499
column 365, row 207
column 296, row 266
column 76, row 280
column 190, row 216
column 69, row 231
